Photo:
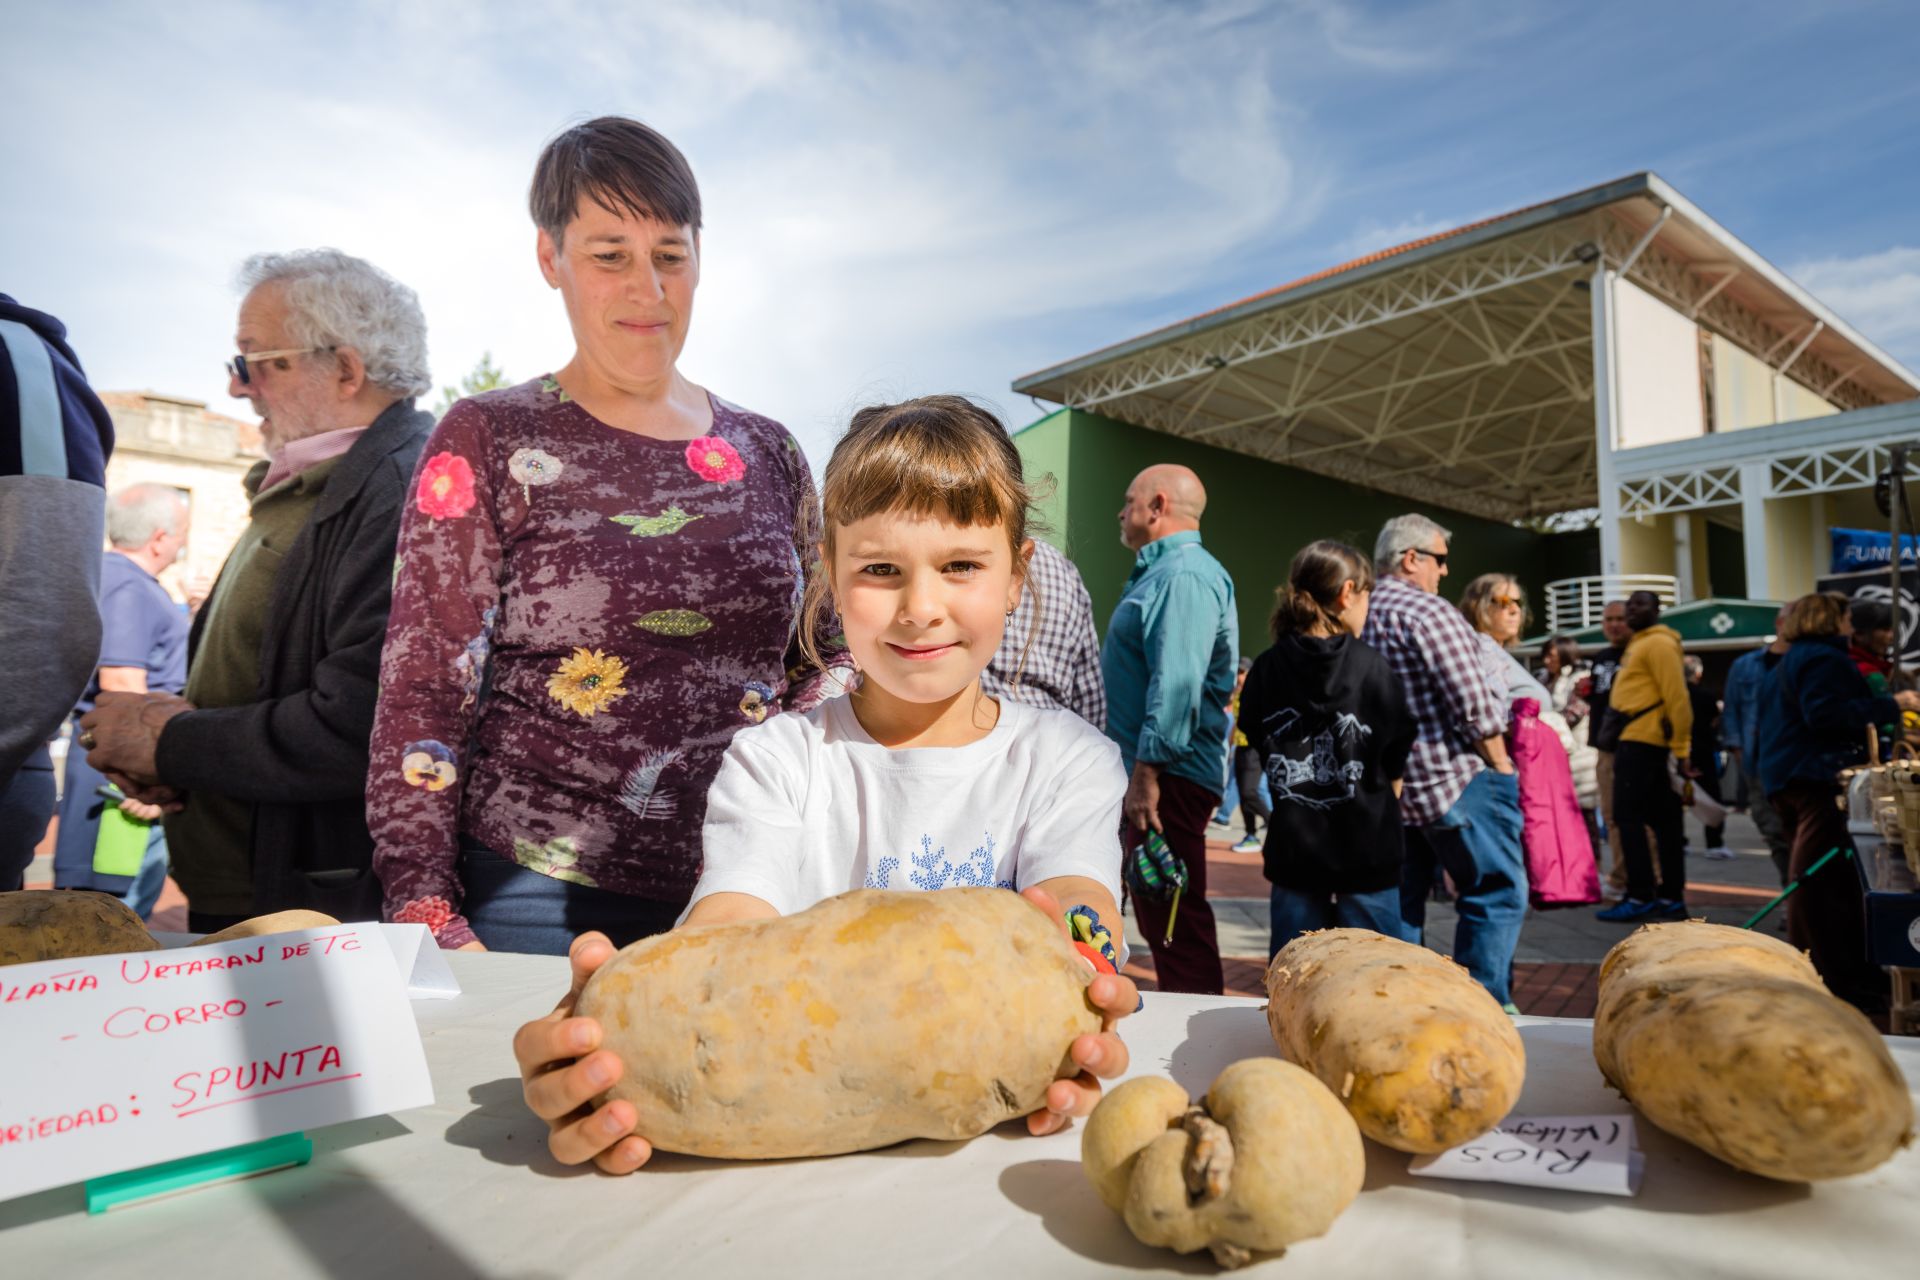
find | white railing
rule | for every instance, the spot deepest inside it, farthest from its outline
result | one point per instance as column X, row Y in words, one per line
column 1574, row 604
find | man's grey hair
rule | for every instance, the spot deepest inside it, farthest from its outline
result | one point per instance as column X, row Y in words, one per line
column 137, row 512
column 1402, row 534
column 335, row 300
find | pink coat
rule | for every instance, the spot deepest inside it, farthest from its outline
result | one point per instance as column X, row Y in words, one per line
column 1560, row 866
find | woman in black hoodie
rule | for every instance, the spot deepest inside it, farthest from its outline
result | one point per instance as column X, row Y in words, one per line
column 1331, row 725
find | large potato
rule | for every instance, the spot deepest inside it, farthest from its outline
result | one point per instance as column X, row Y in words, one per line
column 64, row 924
column 1727, row 1039
column 868, row 1019
column 1269, row 1159
column 1418, row 1051
column 271, row 923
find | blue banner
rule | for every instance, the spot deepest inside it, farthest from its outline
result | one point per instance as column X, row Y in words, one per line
column 1856, row 549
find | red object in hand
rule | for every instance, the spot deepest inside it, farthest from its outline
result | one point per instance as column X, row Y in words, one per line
column 1584, row 687
column 1100, row 963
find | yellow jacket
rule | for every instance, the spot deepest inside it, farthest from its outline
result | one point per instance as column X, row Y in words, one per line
column 1652, row 675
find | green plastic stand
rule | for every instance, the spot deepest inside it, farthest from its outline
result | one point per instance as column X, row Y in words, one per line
column 117, row 1190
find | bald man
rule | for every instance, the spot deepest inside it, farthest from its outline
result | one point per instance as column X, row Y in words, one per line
column 1169, row 665
column 143, row 648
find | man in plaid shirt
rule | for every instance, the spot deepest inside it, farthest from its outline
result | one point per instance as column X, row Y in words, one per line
column 1056, row 662
column 1461, row 800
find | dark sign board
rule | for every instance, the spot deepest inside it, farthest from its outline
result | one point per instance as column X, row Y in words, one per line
column 1877, row 584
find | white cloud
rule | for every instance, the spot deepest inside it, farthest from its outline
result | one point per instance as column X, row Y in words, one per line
column 898, row 201
column 1877, row 293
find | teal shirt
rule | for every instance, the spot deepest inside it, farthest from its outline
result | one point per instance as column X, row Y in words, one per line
column 1169, row 661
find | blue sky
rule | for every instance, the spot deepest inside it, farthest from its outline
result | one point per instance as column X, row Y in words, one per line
column 911, row 197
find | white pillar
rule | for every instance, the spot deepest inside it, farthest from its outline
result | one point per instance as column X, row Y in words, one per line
column 1822, row 539
column 1683, row 555
column 1754, row 482
column 1605, row 401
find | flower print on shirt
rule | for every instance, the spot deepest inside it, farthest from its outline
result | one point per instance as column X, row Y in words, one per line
column 445, row 490
column 533, row 467
column 712, row 458
column 673, row 622
column 551, row 385
column 433, row 912
column 471, row 664
column 756, row 701
column 554, row 858
column 672, row 520
column 588, row 682
column 429, row 764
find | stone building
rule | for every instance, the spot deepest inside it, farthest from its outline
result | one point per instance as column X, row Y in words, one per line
column 177, row 441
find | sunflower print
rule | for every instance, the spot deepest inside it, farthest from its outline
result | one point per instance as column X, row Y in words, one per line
column 673, row 622
column 588, row 682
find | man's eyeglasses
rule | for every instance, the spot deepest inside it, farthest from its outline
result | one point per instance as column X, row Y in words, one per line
column 237, row 367
column 1438, row 557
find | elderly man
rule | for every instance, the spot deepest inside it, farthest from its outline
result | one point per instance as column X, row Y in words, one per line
column 1050, row 655
column 1460, row 800
column 143, row 648
column 267, row 753
column 1169, row 666
column 55, row 436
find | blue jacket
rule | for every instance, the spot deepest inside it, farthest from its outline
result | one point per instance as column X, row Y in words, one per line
column 1169, row 661
column 1814, row 710
column 1740, row 705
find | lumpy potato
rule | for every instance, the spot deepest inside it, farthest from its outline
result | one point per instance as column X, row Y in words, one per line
column 1268, row 1159
column 866, row 1020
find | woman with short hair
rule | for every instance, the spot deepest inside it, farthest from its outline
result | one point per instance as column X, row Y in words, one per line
column 598, row 583
column 1814, row 709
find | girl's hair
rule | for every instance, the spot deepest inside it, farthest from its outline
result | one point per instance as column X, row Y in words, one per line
column 1312, row 589
column 1819, row 614
column 938, row 456
column 1477, row 600
column 1566, row 648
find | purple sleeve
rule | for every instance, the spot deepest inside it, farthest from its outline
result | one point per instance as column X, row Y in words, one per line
column 445, row 598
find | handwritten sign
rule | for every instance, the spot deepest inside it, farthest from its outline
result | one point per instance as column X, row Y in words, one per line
column 1570, row 1153
column 420, row 961
column 116, row 1062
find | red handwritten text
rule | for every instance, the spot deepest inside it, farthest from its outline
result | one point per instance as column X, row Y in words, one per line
column 132, row 970
column 58, row 984
column 292, row 1069
column 50, row 1126
column 127, row 1023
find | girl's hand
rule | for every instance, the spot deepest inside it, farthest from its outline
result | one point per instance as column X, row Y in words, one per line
column 1099, row 1055
column 562, row 1068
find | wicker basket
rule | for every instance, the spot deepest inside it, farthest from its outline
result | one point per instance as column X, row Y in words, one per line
column 1905, row 777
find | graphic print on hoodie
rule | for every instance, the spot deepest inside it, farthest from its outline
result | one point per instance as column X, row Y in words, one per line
column 1333, row 730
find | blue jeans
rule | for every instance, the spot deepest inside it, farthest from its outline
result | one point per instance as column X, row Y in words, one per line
column 513, row 909
column 1296, row 911
column 1478, row 842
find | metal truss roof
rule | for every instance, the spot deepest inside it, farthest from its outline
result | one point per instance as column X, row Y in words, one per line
column 1459, row 370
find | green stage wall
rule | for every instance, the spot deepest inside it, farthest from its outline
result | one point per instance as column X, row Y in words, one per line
column 1258, row 514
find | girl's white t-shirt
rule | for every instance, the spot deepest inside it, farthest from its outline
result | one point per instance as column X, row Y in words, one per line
column 808, row 805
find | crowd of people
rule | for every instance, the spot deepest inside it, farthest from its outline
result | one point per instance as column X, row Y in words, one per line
column 589, row 658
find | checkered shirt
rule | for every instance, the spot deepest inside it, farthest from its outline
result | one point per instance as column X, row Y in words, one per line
column 1436, row 654
column 1062, row 667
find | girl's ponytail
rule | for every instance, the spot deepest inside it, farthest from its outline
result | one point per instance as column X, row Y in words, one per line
column 1311, row 593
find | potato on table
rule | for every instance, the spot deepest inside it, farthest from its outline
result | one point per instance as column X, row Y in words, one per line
column 1268, row 1159
column 65, row 924
column 1415, row 1048
column 1727, row 1039
column 866, row 1020
column 271, row 923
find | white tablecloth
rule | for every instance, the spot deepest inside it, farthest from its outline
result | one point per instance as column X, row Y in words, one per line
column 466, row 1188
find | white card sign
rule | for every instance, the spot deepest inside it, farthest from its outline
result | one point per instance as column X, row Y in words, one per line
column 1571, row 1153
column 117, row 1062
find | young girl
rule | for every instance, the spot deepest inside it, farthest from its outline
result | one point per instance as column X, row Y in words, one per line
column 1331, row 725
column 915, row 780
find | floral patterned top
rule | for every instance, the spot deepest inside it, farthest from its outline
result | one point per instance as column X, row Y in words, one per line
column 582, row 618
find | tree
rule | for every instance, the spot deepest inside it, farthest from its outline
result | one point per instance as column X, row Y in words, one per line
column 486, row 376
